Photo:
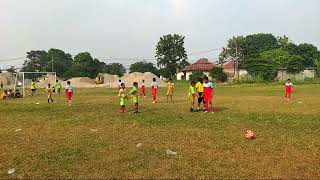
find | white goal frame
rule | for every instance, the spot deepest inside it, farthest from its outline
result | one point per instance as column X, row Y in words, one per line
column 23, row 80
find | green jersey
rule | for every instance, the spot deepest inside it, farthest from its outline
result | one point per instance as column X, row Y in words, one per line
column 134, row 94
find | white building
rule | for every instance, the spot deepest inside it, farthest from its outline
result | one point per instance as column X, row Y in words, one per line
column 202, row 65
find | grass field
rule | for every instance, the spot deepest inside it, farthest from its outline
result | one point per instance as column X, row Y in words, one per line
column 92, row 140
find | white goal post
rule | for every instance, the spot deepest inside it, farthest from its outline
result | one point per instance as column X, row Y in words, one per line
column 23, row 79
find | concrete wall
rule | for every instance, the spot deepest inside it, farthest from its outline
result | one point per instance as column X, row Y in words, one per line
column 284, row 75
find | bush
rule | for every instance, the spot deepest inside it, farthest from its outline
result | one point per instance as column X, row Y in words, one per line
column 218, row 74
column 196, row 75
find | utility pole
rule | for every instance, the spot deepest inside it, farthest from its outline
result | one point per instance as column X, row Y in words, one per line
column 237, row 61
column 52, row 63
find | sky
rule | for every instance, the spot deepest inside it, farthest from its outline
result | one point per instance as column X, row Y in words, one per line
column 121, row 30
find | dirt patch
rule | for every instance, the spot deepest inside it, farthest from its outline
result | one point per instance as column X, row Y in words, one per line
column 128, row 79
column 7, row 78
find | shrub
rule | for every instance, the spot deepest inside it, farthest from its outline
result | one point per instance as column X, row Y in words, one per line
column 196, row 75
column 218, row 74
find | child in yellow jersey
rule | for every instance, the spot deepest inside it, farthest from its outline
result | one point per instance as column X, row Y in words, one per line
column 199, row 88
column 170, row 88
column 33, row 88
column 192, row 95
column 49, row 93
column 123, row 98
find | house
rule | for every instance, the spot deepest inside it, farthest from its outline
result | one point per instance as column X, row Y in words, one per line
column 202, row 65
column 230, row 69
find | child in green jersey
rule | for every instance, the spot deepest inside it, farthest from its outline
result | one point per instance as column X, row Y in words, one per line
column 123, row 98
column 135, row 97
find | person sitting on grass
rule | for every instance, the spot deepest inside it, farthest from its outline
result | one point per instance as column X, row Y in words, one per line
column 123, row 98
column 170, row 88
column 207, row 94
column 135, row 97
column 17, row 94
column 192, row 95
column 154, row 90
column 49, row 93
column 4, row 95
column 289, row 87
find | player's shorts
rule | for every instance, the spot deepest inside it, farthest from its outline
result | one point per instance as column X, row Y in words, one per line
column 154, row 91
column 207, row 95
column 49, row 95
column 123, row 101
column 191, row 99
column 69, row 95
column 200, row 98
column 288, row 90
column 169, row 93
column 135, row 100
column 33, row 90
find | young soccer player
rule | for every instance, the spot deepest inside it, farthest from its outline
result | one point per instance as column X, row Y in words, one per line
column 154, row 90
column 33, row 88
column 192, row 95
column 143, row 89
column 199, row 88
column 69, row 92
column 57, row 87
column 49, row 93
column 135, row 97
column 289, row 87
column 123, row 98
column 207, row 94
column 170, row 88
column 119, row 84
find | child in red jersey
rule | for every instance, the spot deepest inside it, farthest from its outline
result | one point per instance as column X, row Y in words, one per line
column 289, row 87
column 154, row 90
column 207, row 94
column 143, row 89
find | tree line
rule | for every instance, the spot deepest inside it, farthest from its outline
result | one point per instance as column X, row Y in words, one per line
column 263, row 54
column 260, row 54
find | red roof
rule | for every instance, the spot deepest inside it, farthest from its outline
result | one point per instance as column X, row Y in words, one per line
column 200, row 65
column 229, row 66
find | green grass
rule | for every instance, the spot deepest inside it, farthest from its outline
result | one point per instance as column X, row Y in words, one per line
column 56, row 141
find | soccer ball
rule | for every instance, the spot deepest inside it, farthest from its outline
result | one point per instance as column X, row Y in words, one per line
column 249, row 134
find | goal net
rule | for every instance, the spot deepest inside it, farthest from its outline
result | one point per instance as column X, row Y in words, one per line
column 23, row 81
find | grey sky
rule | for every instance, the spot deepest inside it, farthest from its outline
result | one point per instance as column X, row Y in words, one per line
column 131, row 28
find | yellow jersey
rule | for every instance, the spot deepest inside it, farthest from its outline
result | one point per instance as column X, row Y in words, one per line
column 199, row 87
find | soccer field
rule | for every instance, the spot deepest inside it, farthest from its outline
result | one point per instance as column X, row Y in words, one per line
column 92, row 140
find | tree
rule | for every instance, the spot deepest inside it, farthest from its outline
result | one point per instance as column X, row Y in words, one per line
column 233, row 49
column 115, row 69
column 196, row 75
column 257, row 43
column 309, row 53
column 278, row 56
column 218, row 74
column 12, row 69
column 84, row 65
column 61, row 62
column 143, row 66
column 36, row 61
column 259, row 67
column 171, row 54
column 295, row 64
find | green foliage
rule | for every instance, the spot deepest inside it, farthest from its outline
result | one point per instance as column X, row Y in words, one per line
column 196, row 75
column 171, row 54
column 295, row 64
column 259, row 67
column 218, row 74
column 257, row 43
column 143, row 66
column 317, row 68
column 230, row 50
column 277, row 56
column 309, row 53
column 62, row 62
column 115, row 69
